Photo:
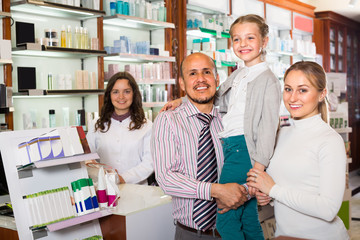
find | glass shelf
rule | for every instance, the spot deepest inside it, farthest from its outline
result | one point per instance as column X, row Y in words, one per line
column 4, row 14
column 54, row 9
column 206, row 33
column 59, row 161
column 37, row 50
column 6, row 109
column 304, row 56
column 5, row 61
column 136, row 22
column 128, row 57
column 279, row 53
column 59, row 93
column 343, row 130
column 74, row 221
column 156, row 81
column 153, row 104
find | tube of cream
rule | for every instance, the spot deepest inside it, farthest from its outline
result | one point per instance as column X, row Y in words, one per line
column 101, row 189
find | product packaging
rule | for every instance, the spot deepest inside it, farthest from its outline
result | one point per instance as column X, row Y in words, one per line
column 101, row 189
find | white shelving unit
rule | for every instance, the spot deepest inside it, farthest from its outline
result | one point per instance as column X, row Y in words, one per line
column 55, row 60
column 138, row 29
column 47, row 175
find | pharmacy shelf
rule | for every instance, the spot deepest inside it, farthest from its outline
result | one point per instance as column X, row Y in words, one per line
column 304, row 56
column 128, row 57
column 6, row 109
column 279, row 53
column 38, row 93
column 153, row 104
column 136, row 22
column 4, row 14
column 78, row 220
column 59, row 161
column 156, row 81
column 54, row 9
column 206, row 33
column 227, row 64
column 37, row 50
column 343, row 130
column 5, row 61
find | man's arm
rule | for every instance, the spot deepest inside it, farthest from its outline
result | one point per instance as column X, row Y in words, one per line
column 229, row 196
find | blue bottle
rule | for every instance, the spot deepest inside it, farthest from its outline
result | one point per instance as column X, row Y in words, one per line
column 119, row 7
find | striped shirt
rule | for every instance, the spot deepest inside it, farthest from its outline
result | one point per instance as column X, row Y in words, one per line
column 174, row 147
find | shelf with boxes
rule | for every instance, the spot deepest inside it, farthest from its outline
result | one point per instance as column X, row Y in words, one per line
column 56, row 9
column 55, row 55
column 38, row 50
column 4, row 14
column 41, row 191
column 135, row 42
column 208, row 32
column 58, row 93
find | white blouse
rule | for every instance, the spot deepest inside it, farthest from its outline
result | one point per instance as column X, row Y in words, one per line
column 127, row 151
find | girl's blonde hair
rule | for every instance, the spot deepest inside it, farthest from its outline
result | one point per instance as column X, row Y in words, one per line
column 317, row 77
column 252, row 18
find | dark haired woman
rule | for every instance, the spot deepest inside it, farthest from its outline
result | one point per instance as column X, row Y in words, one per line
column 121, row 136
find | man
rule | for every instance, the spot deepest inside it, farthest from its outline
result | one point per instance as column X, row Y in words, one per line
column 188, row 155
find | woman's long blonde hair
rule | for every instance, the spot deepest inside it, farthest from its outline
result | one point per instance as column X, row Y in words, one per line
column 317, row 77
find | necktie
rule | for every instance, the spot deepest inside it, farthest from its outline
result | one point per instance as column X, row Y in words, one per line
column 204, row 212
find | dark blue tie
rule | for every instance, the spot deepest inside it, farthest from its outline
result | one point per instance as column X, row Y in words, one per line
column 204, row 213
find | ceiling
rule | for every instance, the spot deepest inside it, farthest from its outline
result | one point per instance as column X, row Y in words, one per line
column 339, row 6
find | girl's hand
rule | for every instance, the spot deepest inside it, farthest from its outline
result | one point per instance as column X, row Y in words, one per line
column 260, row 180
column 262, row 198
column 171, row 105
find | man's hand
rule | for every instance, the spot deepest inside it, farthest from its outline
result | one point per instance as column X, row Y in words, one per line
column 228, row 196
column 171, row 105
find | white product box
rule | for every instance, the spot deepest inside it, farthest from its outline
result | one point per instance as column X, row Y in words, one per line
column 75, row 140
column 5, row 48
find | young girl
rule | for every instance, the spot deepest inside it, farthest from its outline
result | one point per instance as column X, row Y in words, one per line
column 121, row 136
column 306, row 175
column 249, row 101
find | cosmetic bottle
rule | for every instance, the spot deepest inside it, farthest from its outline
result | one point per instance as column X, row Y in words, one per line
column 137, row 8
column 142, row 9
column 77, row 37
column 119, row 7
column 86, row 38
column 52, row 118
column 132, row 7
column 112, row 7
column 126, row 7
column 82, row 38
column 50, row 81
column 69, row 43
column 63, row 36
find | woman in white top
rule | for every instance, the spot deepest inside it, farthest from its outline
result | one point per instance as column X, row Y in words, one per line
column 306, row 175
column 121, row 136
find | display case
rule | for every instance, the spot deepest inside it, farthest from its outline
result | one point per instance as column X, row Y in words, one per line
column 41, row 176
column 337, row 40
column 58, row 66
column 137, row 45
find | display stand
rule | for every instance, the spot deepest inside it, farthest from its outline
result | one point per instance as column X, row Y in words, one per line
column 41, row 179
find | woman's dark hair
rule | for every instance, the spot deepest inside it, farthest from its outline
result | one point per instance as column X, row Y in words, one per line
column 136, row 111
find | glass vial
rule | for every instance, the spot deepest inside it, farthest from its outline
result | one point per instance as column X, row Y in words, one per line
column 50, row 81
column 52, row 121
column 63, row 36
column 69, row 42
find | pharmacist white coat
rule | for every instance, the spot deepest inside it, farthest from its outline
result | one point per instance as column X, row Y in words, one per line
column 127, row 151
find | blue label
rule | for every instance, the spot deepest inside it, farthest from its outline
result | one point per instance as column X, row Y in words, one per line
column 88, row 203
column 95, row 202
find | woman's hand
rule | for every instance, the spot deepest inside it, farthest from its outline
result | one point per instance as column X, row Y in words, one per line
column 171, row 105
column 260, row 180
column 262, row 198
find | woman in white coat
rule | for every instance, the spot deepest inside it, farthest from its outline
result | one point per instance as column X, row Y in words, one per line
column 121, row 136
column 306, row 175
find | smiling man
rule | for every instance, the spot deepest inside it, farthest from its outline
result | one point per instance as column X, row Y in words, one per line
column 188, row 156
